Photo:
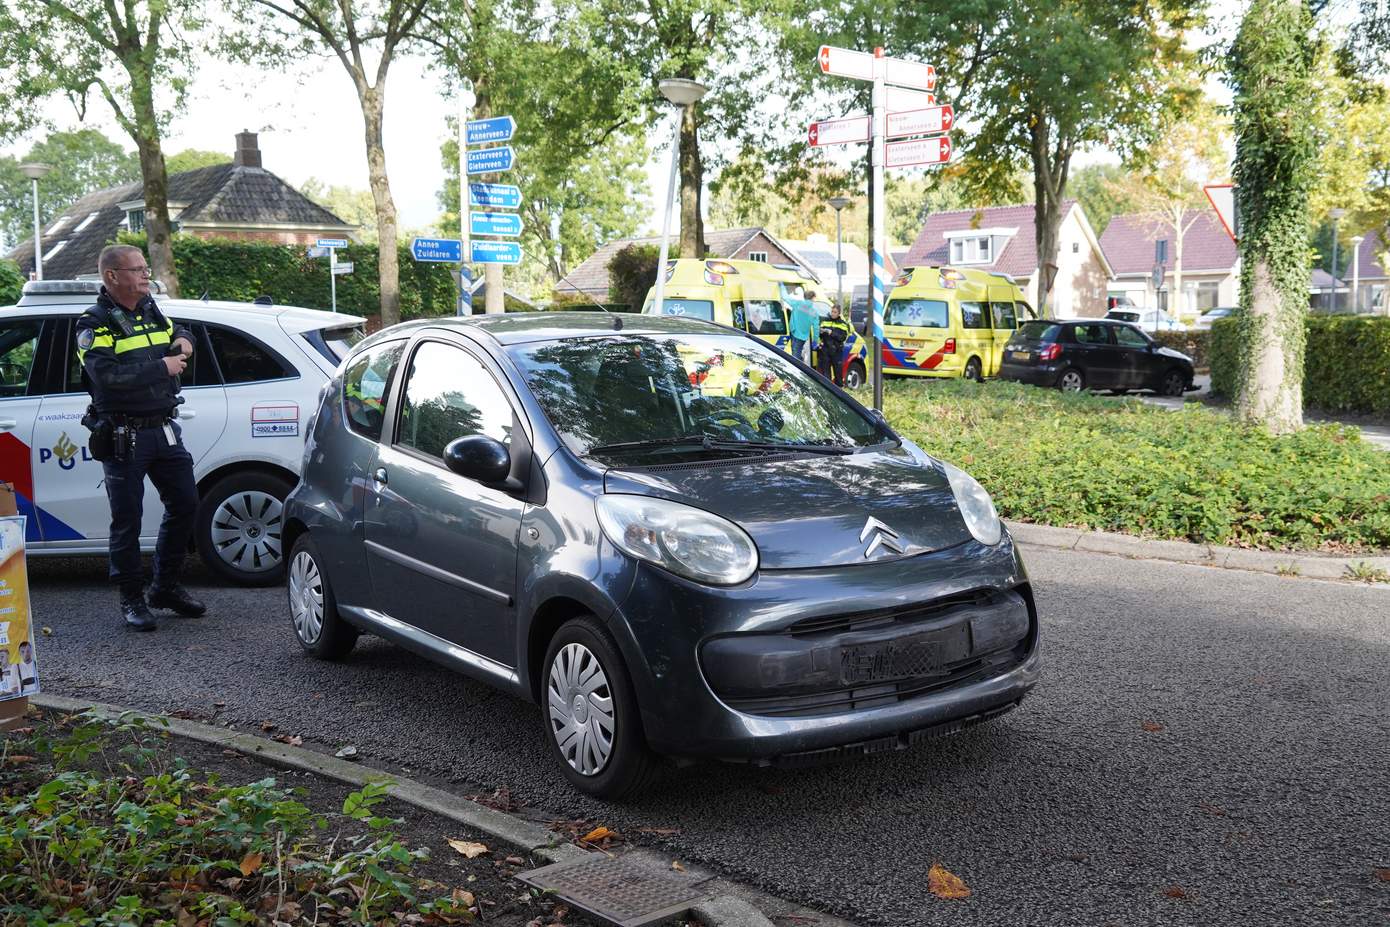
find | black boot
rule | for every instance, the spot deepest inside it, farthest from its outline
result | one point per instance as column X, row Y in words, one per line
column 177, row 600
column 136, row 613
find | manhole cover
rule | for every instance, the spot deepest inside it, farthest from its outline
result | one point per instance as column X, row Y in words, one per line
column 626, row 893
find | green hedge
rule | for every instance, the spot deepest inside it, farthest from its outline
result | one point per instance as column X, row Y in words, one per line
column 11, row 283
column 1347, row 366
column 1194, row 343
column 242, row 270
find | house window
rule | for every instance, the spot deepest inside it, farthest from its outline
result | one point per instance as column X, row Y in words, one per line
column 1076, row 247
column 1207, row 294
column 758, row 256
column 135, row 220
column 57, row 226
column 55, row 249
column 972, row 250
column 86, row 222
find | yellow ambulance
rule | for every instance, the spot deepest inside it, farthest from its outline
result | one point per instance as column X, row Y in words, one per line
column 752, row 296
column 950, row 322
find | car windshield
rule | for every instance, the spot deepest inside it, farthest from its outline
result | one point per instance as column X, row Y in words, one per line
column 635, row 399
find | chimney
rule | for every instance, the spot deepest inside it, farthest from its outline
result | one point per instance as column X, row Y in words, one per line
column 247, row 154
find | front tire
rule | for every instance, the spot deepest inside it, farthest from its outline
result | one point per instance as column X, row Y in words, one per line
column 318, row 626
column 590, row 713
column 238, row 531
column 1173, row 384
column 854, row 377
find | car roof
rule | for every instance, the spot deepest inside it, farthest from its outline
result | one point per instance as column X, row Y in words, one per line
column 519, row 327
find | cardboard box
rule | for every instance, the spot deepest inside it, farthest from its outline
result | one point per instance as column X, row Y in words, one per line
column 11, row 710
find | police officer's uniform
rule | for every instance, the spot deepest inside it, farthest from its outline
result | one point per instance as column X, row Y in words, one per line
column 122, row 353
column 834, row 333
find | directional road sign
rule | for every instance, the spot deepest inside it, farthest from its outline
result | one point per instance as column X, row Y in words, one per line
column 935, row 150
column 494, row 223
column 842, row 62
column 904, row 73
column 929, row 121
column 332, row 242
column 314, row 251
column 496, row 252
column 494, row 195
column 342, row 267
column 839, row 131
column 487, row 131
column 491, row 160
column 437, row 250
column 901, row 99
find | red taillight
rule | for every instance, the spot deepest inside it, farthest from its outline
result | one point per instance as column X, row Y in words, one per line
column 949, row 347
column 1051, row 352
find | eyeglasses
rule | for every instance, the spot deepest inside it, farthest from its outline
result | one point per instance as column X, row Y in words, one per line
column 142, row 271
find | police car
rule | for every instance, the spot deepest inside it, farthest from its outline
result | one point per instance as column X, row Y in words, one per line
column 249, row 389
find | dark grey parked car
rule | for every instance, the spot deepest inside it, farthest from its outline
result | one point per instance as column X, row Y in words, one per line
column 674, row 538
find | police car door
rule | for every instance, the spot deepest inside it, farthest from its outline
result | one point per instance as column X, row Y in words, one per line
column 22, row 378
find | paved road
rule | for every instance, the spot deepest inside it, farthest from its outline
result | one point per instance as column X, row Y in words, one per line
column 1262, row 800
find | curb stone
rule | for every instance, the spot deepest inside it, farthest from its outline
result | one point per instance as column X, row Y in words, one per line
column 1306, row 566
column 724, row 910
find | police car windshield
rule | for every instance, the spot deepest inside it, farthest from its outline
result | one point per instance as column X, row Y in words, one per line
column 649, row 398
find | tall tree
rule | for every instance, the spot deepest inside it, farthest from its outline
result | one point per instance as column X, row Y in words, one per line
column 1271, row 74
column 365, row 37
column 82, row 161
column 190, row 159
column 129, row 54
column 1102, row 192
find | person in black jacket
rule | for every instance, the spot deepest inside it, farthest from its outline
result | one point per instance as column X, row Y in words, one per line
column 834, row 332
column 132, row 356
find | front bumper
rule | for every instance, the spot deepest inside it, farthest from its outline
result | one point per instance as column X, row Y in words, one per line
column 806, row 665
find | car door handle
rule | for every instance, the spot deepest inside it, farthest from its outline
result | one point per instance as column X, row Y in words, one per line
column 379, row 477
column 187, row 413
column 7, row 423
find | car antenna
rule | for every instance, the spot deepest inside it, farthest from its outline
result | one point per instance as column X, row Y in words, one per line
column 204, row 297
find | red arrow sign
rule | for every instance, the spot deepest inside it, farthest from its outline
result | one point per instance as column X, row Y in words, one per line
column 845, row 63
column 935, row 150
column 839, row 131
column 927, row 121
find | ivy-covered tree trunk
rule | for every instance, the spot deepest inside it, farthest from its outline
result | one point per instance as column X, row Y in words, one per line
column 1271, row 74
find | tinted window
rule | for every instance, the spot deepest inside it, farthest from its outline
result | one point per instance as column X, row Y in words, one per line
column 687, row 308
column 917, row 313
column 1038, row 331
column 765, row 317
column 1129, row 337
column 972, row 315
column 19, row 343
column 365, row 383
column 1091, row 334
column 244, row 361
column 449, row 394
column 1003, row 315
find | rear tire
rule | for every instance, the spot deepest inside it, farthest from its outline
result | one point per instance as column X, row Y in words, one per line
column 974, row 371
column 239, row 525
column 590, row 714
column 318, row 626
column 1071, row 380
column 854, row 377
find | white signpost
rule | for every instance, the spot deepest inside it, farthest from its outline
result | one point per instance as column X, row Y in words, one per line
column 914, row 113
column 330, row 246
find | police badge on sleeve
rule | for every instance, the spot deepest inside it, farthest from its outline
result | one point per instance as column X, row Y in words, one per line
column 86, row 337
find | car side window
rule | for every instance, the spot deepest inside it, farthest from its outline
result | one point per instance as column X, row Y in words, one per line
column 242, row 360
column 19, row 342
column 1129, row 338
column 740, row 317
column 972, row 315
column 449, row 394
column 1092, row 334
column 365, row 384
column 1004, row 316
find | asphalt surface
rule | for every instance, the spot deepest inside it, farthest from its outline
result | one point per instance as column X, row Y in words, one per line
column 1258, row 795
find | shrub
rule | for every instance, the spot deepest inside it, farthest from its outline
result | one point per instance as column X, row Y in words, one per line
column 631, row 273
column 11, row 283
column 1193, row 343
column 1346, row 367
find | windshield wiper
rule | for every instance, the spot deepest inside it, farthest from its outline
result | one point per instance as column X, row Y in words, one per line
column 784, row 446
column 700, row 441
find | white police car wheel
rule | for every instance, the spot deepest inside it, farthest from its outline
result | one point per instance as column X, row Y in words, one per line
column 246, row 531
column 580, row 705
column 306, row 598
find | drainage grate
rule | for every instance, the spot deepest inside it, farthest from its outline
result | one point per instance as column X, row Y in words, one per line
column 626, row 893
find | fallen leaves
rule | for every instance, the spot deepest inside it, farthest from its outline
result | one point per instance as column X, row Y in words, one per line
column 470, row 849
column 945, row 884
column 1383, row 875
column 293, row 740
column 1214, row 810
column 1153, row 727
column 251, row 864
column 598, row 833
column 1175, row 891
column 676, row 865
column 17, row 759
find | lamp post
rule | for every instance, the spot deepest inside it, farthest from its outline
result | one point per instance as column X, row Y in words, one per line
column 838, row 203
column 1356, row 272
column 682, row 93
column 1336, row 215
column 35, row 172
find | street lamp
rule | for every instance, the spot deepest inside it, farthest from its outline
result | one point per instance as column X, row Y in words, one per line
column 1356, row 271
column 838, row 203
column 35, row 172
column 1336, row 215
column 682, row 93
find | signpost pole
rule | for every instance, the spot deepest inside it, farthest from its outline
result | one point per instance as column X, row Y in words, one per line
column 333, row 277
column 878, row 240
column 466, row 100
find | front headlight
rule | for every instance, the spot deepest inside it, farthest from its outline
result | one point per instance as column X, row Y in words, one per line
column 687, row 541
column 975, row 505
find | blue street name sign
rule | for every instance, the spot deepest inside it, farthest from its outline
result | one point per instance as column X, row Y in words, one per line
column 440, row 250
column 496, row 252
column 487, row 131
column 494, row 223
column 491, row 160
column 494, row 195
column 314, row 251
column 332, row 242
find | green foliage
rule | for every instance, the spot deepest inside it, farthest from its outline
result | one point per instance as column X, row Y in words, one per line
column 11, row 283
column 1122, row 465
column 243, row 270
column 1097, row 188
column 353, row 206
column 82, row 162
column 631, row 273
column 190, row 159
column 1194, row 343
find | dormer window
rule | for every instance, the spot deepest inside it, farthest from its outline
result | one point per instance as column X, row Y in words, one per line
column 974, row 250
column 135, row 220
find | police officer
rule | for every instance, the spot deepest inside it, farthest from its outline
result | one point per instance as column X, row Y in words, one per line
column 834, row 332
column 132, row 355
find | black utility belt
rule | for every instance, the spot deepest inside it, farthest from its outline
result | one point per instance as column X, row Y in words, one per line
column 138, row 421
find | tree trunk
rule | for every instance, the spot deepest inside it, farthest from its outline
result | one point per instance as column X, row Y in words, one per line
column 1177, row 263
column 692, row 179
column 388, row 257
column 155, row 178
column 1049, row 182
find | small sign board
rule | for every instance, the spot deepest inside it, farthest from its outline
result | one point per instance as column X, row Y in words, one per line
column 437, row 250
column 494, row 195
column 506, row 224
column 934, row 150
column 314, row 251
column 901, row 99
column 929, row 121
column 487, row 131
column 496, row 252
column 342, row 267
column 904, row 73
column 332, row 242
column 839, row 131
column 491, row 160
column 842, row 62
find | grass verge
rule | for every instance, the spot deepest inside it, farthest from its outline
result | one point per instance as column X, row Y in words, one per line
column 1121, row 465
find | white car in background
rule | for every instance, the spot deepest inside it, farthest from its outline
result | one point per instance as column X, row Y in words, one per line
column 1203, row 322
column 1150, row 320
column 249, row 389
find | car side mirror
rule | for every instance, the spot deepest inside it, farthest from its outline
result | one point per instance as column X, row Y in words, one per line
column 479, row 458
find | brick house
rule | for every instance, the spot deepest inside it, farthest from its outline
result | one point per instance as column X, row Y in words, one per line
column 589, row 281
column 241, row 201
column 1210, row 263
column 1002, row 239
column 1372, row 277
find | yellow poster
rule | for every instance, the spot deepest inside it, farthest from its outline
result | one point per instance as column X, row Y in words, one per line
column 19, row 674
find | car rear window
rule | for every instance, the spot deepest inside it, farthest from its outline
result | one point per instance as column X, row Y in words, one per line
column 1038, row 331
column 917, row 313
column 335, row 343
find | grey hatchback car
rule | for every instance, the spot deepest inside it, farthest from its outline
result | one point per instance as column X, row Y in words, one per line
column 677, row 540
